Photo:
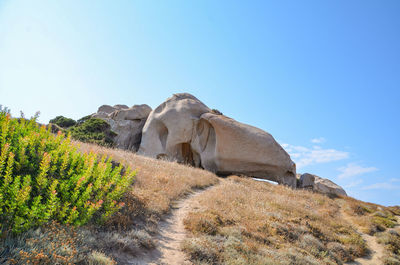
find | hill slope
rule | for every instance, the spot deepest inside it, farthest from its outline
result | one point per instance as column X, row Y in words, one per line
column 243, row 221
column 235, row 221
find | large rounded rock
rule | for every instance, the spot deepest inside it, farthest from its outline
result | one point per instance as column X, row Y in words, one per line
column 121, row 106
column 236, row 148
column 327, row 186
column 136, row 112
column 169, row 129
column 106, row 109
column 126, row 122
column 306, row 181
column 186, row 130
column 320, row 185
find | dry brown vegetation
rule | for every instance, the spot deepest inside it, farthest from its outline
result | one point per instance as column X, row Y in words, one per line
column 379, row 221
column 157, row 185
column 239, row 221
column 130, row 231
column 243, row 221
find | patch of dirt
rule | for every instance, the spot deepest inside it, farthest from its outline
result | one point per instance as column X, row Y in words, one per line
column 398, row 224
column 171, row 235
column 376, row 250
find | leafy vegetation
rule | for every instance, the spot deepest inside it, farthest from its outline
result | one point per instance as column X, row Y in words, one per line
column 44, row 177
column 63, row 122
column 94, row 131
column 370, row 218
column 86, row 129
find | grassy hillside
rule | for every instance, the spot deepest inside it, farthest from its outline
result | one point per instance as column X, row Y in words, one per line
column 121, row 235
column 48, row 180
column 243, row 221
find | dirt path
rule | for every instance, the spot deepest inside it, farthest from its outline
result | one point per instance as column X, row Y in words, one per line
column 376, row 254
column 398, row 223
column 171, row 235
column 376, row 250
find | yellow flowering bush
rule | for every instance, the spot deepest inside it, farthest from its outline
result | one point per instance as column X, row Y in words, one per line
column 43, row 177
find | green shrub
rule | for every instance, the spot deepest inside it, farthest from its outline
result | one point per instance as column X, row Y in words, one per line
column 63, row 122
column 93, row 130
column 43, row 177
column 83, row 119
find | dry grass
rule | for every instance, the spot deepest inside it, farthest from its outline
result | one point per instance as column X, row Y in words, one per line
column 391, row 240
column 157, row 185
column 128, row 232
column 370, row 218
column 50, row 244
column 240, row 221
column 250, row 222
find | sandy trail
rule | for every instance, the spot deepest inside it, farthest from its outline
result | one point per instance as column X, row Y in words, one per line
column 398, row 224
column 376, row 254
column 376, row 250
column 171, row 235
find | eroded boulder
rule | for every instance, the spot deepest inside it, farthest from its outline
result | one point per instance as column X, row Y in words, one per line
column 321, row 185
column 184, row 129
column 169, row 129
column 126, row 122
column 229, row 147
column 327, row 186
column 106, row 109
column 307, row 181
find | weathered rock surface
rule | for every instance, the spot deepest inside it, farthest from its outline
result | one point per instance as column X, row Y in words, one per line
column 307, row 181
column 169, row 129
column 184, row 129
column 321, row 185
column 327, row 186
column 121, row 106
column 126, row 122
column 106, row 109
column 236, row 148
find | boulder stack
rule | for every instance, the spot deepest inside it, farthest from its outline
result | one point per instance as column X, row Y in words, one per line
column 186, row 130
column 321, row 185
column 126, row 122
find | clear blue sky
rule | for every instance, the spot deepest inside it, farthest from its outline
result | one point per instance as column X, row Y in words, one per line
column 323, row 77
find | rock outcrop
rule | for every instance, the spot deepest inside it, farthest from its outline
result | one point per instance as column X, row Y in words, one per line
column 320, row 185
column 184, row 129
column 126, row 122
column 327, row 186
column 306, row 181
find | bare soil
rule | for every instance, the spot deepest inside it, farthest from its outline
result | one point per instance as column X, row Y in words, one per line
column 376, row 253
column 171, row 235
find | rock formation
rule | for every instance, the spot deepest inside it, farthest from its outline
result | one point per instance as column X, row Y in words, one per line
column 320, row 185
column 184, row 129
column 306, row 181
column 126, row 122
column 327, row 186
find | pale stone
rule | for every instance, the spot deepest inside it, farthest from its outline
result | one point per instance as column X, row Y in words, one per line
column 126, row 122
column 136, row 112
column 106, row 109
column 121, row 106
column 184, row 129
column 307, row 181
column 326, row 186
